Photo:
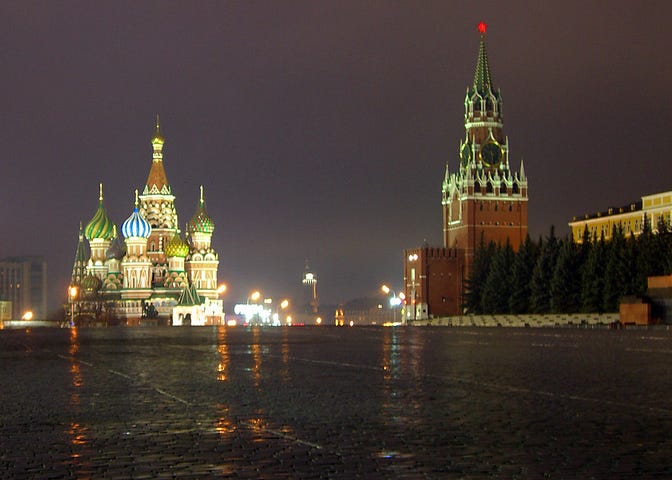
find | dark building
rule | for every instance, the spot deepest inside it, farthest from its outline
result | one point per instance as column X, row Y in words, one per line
column 23, row 282
column 484, row 199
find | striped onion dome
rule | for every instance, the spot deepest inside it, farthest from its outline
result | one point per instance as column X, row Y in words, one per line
column 201, row 221
column 176, row 247
column 136, row 225
column 100, row 226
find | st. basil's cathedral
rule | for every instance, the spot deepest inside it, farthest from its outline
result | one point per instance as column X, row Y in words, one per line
column 484, row 200
column 149, row 273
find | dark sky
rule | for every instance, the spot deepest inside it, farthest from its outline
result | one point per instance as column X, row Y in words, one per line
column 319, row 129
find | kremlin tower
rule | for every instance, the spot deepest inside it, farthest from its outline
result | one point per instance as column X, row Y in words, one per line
column 140, row 276
column 483, row 199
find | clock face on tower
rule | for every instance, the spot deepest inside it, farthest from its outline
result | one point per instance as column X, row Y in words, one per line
column 491, row 154
column 465, row 154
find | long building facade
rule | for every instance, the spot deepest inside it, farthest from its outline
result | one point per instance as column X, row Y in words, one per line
column 484, row 199
column 630, row 218
column 141, row 275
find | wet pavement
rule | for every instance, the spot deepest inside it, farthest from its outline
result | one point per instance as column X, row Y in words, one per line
column 327, row 402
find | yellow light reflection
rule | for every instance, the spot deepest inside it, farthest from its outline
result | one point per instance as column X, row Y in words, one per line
column 223, row 351
column 256, row 357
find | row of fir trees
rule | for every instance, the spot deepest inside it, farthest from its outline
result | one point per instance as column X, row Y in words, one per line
column 558, row 275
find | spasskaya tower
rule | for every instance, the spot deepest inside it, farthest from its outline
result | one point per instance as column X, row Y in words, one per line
column 484, row 196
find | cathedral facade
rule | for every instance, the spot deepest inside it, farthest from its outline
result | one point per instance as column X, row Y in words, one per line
column 483, row 200
column 142, row 275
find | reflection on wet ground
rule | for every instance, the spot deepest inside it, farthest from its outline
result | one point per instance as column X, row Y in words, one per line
column 328, row 402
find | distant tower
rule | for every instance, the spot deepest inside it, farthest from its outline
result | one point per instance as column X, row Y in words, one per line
column 202, row 261
column 136, row 265
column 484, row 197
column 81, row 256
column 157, row 206
column 310, row 289
column 99, row 232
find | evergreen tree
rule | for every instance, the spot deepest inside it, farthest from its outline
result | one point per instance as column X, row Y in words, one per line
column 592, row 281
column 521, row 276
column 566, row 282
column 540, row 299
column 497, row 288
column 664, row 246
column 617, row 270
column 479, row 273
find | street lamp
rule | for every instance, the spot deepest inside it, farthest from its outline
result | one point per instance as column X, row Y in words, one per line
column 222, row 288
column 395, row 300
column 72, row 294
column 254, row 296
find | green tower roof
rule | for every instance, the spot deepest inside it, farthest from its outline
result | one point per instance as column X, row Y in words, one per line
column 482, row 76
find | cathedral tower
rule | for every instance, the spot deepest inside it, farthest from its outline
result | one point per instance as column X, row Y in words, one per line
column 484, row 198
column 136, row 265
column 202, row 262
column 157, row 206
column 99, row 232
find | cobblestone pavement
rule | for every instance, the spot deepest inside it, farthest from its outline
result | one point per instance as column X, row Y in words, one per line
column 327, row 402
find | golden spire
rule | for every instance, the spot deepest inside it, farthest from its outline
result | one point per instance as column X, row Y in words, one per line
column 157, row 139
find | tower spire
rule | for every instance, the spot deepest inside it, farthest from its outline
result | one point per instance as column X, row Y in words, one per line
column 482, row 76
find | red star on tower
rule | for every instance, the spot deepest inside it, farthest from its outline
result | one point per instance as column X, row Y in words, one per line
column 482, row 27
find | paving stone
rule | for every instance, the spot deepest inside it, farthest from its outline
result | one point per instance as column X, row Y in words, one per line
column 322, row 402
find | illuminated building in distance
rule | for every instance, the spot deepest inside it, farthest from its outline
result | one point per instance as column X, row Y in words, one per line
column 309, row 282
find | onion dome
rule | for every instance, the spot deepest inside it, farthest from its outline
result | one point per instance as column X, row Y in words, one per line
column 91, row 284
column 176, row 247
column 201, row 221
column 117, row 249
column 136, row 225
column 100, row 226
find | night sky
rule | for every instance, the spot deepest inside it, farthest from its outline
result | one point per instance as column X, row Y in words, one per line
column 319, row 129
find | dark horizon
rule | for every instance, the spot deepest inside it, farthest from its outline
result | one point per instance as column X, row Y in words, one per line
column 319, row 130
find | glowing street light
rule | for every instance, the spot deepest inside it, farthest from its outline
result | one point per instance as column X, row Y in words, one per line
column 72, row 295
column 254, row 296
column 395, row 300
column 28, row 315
column 222, row 288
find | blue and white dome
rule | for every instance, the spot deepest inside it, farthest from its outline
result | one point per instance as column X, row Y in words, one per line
column 136, row 225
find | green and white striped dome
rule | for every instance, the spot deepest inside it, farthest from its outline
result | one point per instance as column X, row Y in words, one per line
column 100, row 226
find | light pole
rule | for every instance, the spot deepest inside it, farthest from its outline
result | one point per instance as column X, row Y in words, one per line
column 72, row 294
column 395, row 301
column 254, row 296
column 220, row 314
column 283, row 306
